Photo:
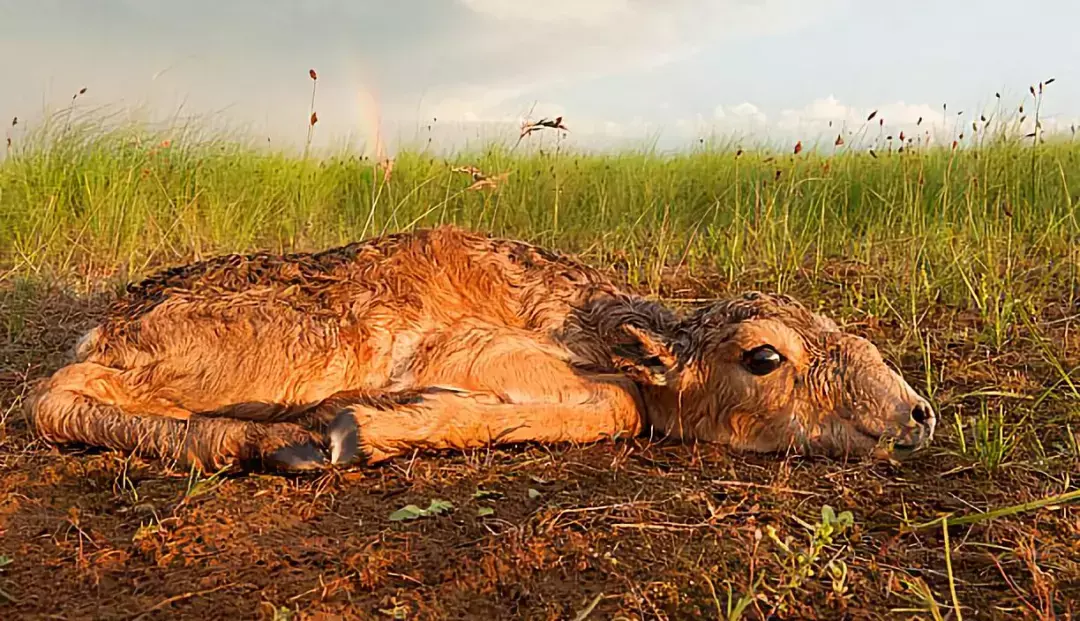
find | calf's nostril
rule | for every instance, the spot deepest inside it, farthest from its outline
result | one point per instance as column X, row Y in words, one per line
column 922, row 413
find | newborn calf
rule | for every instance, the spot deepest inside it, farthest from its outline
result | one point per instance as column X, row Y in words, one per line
column 445, row 339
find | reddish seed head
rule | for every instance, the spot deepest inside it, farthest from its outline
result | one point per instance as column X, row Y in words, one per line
column 901, row 136
column 798, row 147
column 1032, row 89
column 954, row 144
column 82, row 91
column 881, row 122
column 839, row 140
column 314, row 119
column 387, row 166
column 314, row 76
column 871, row 117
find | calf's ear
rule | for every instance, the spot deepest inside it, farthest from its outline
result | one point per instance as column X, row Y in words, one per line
column 643, row 355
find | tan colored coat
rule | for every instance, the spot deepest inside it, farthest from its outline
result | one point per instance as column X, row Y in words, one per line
column 446, row 339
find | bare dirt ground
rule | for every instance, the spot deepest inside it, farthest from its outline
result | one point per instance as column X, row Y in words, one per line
column 636, row 529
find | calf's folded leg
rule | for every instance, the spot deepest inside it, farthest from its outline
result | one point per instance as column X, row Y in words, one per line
column 508, row 388
column 91, row 404
column 447, row 419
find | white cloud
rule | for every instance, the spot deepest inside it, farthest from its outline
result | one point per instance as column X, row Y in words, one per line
column 827, row 109
column 693, row 126
column 750, row 112
column 593, row 12
column 613, row 129
column 829, row 113
column 472, row 102
column 528, row 50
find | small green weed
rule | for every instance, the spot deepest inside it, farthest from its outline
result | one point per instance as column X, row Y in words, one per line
column 412, row 512
column 801, row 564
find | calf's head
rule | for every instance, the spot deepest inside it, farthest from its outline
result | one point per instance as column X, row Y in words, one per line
column 763, row 373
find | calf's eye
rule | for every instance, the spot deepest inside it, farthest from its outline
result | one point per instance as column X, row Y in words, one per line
column 762, row 360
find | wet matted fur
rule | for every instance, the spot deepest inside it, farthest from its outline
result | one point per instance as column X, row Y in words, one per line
column 448, row 339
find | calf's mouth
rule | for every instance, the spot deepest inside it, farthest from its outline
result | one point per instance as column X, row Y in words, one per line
column 896, row 446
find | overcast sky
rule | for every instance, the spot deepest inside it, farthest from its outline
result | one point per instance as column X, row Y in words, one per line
column 613, row 68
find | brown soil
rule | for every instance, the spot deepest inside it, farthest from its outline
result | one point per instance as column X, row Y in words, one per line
column 633, row 529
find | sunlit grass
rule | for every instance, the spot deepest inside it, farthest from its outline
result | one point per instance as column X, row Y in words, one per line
column 990, row 225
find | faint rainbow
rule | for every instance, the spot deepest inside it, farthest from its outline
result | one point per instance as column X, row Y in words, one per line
column 368, row 108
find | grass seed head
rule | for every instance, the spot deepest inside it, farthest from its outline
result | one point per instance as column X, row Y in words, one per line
column 386, row 165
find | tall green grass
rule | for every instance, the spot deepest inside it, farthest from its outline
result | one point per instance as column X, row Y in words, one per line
column 985, row 225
